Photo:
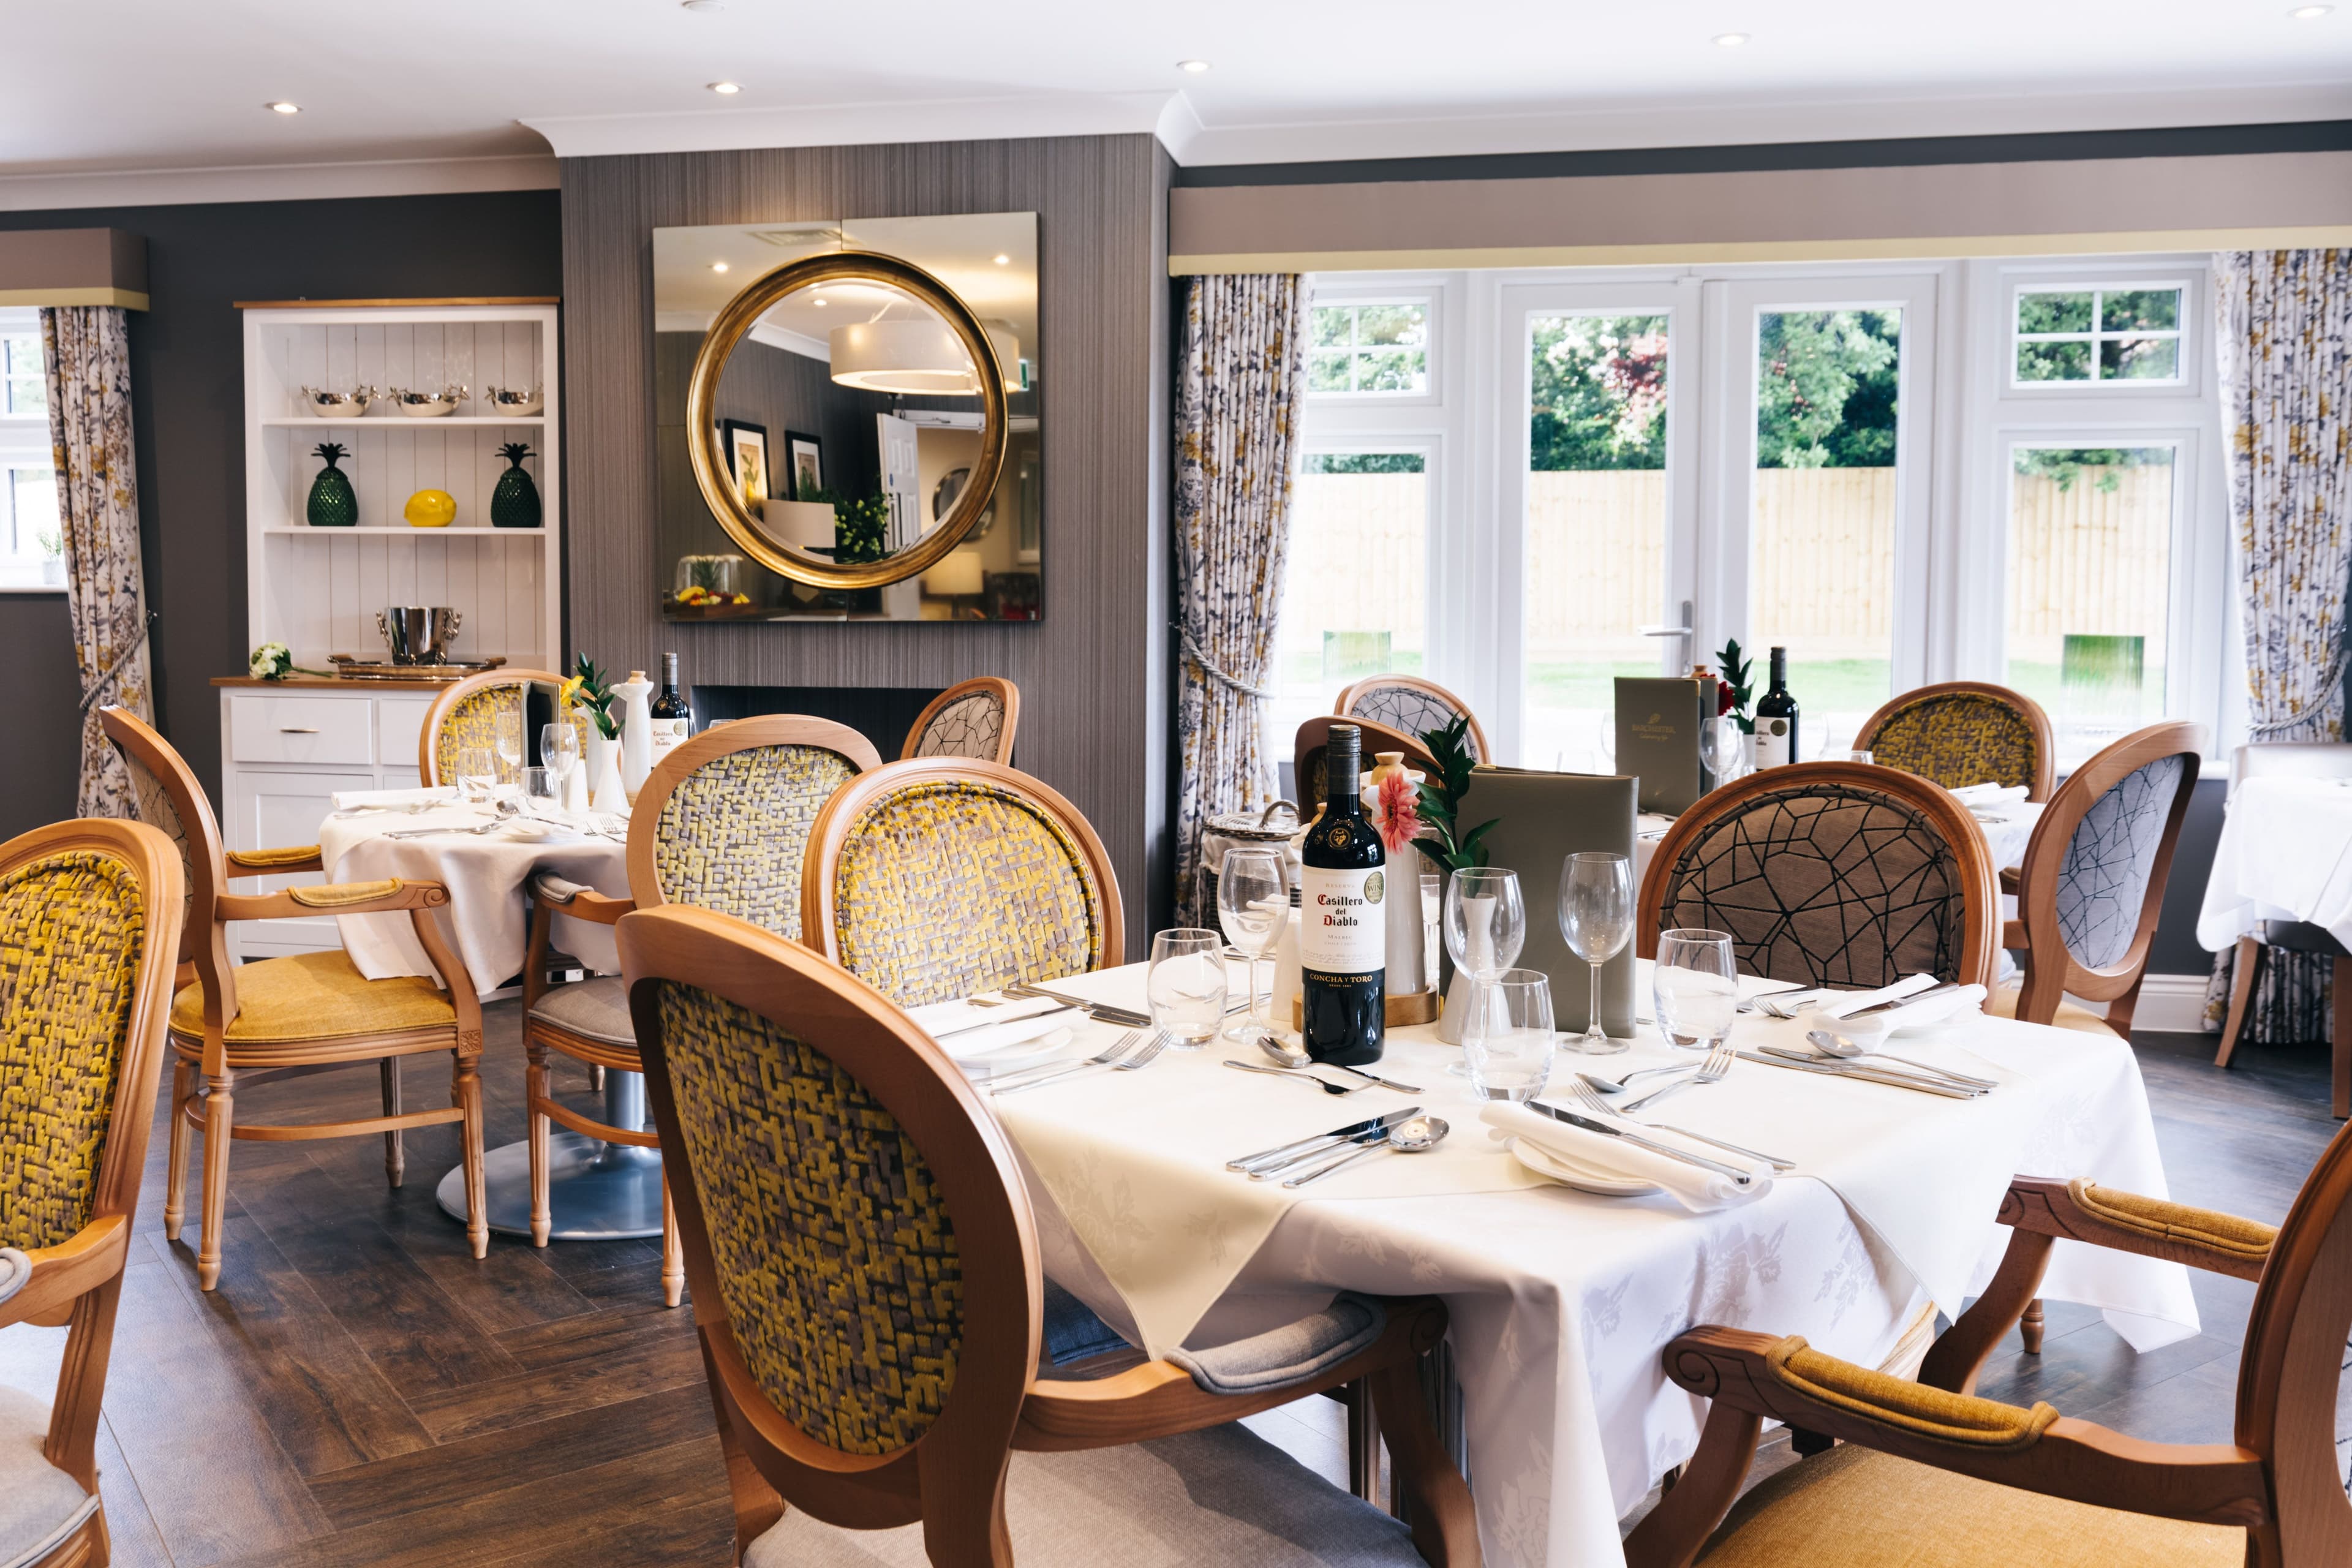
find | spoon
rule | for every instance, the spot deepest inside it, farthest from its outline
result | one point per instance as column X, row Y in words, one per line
column 1415, row 1136
column 1847, row 1050
column 1284, row 1056
column 1619, row 1085
column 1324, row 1084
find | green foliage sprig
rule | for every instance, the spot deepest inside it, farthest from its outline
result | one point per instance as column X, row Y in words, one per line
column 858, row 526
column 1449, row 748
column 1737, row 675
column 596, row 694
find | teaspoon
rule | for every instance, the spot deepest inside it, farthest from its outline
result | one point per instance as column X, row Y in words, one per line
column 1845, row 1050
column 1284, row 1056
column 1415, row 1136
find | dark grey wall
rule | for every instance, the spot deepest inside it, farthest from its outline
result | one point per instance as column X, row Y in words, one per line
column 2175, row 949
column 187, row 382
column 1093, row 673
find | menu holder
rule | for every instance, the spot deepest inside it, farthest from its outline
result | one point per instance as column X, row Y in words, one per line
column 1541, row 819
column 1658, row 720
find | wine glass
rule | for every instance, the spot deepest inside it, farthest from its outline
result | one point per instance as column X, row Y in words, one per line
column 1186, row 986
column 509, row 735
column 1252, row 902
column 477, row 772
column 1508, row 1038
column 559, row 748
column 1486, row 925
column 1596, row 917
column 1720, row 747
column 1697, row 987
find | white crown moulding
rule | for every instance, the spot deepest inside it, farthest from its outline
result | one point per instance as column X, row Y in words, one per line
column 739, row 128
column 278, row 182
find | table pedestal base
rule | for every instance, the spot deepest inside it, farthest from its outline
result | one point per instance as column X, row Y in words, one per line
column 596, row 1191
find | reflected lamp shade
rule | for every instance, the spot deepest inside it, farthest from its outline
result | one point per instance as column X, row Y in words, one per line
column 921, row 358
column 957, row 574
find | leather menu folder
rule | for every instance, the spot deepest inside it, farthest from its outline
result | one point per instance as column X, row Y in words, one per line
column 1658, row 720
column 1541, row 819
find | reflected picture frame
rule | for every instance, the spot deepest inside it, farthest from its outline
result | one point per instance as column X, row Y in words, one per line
column 747, row 461
column 803, row 464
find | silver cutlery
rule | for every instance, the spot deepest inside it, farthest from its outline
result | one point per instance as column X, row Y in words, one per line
column 1796, row 1062
column 1324, row 1084
column 1773, row 1004
column 1370, row 1137
column 1014, row 1083
column 1617, row 1085
column 490, row 827
column 1417, row 1136
column 1284, row 1056
column 1712, row 1071
column 1104, row 1011
column 998, row 1023
column 1947, row 986
column 1144, row 1057
column 1593, row 1102
column 1846, row 1049
column 1608, row 1129
column 1298, row 1147
column 1873, row 1070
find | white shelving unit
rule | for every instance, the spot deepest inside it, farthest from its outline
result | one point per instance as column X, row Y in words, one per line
column 317, row 590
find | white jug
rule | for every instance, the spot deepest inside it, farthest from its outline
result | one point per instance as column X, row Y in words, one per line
column 637, row 731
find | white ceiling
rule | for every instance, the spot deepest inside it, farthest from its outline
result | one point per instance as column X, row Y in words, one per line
column 104, row 87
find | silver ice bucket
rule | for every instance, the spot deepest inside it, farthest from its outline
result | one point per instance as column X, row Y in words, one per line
column 417, row 634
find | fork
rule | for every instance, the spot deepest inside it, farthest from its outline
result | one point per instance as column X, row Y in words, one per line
column 1144, row 1057
column 1712, row 1071
column 1591, row 1100
column 1015, row 1082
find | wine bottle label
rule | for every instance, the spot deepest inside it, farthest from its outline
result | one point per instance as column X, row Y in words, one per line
column 665, row 733
column 1342, row 929
column 1771, row 742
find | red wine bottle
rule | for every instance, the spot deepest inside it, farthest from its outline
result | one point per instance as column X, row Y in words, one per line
column 673, row 718
column 1343, row 930
column 1776, row 718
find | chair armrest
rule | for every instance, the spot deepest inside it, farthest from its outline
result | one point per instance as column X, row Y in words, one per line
column 389, row 895
column 268, row 862
column 2125, row 1222
column 553, row 892
column 2012, row 879
column 62, row 1274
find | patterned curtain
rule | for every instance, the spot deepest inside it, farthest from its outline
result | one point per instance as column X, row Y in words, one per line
column 2285, row 348
column 1242, row 370
column 87, row 353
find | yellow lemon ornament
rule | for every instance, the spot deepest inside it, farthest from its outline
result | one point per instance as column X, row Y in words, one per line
column 430, row 509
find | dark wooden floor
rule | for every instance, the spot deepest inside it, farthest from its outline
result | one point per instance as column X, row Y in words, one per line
column 359, row 1390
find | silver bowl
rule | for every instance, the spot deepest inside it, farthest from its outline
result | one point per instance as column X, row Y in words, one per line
column 514, row 403
column 427, row 405
column 326, row 405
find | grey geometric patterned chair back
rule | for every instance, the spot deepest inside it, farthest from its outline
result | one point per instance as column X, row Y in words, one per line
column 1825, row 884
column 2103, row 882
column 967, row 727
column 1414, row 709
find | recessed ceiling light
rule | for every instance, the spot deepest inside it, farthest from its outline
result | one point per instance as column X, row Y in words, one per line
column 1730, row 40
column 700, row 5
column 1004, row 261
column 282, row 107
column 2310, row 13
column 1191, row 67
column 821, row 304
column 726, row 89
column 719, row 266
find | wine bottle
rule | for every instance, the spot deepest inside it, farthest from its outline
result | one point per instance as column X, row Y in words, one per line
column 1343, row 937
column 673, row 718
column 1776, row 718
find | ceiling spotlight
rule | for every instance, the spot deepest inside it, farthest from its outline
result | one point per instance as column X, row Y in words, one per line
column 700, row 5
column 1004, row 261
column 2310, row 13
column 1191, row 67
column 819, row 304
column 1730, row 40
column 282, row 107
column 726, row 89
column 719, row 266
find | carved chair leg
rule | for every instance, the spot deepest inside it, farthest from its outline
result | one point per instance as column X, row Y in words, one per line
column 220, row 1108
column 396, row 1157
column 175, row 1178
column 537, row 1088
column 2030, row 1327
column 1672, row 1534
column 1444, row 1524
column 1806, row 1444
column 964, row 1511
column 2245, row 969
column 673, row 1273
column 466, row 1088
column 1363, row 1444
column 2340, row 1006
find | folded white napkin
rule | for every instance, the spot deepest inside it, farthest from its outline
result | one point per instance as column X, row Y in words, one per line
column 345, row 799
column 1939, row 1009
column 1696, row 1190
column 1841, row 1004
column 1977, row 796
column 965, row 1031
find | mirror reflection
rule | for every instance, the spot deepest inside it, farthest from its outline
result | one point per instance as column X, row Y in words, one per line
column 851, row 422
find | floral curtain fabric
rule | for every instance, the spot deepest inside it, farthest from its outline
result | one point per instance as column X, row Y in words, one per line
column 87, row 353
column 1241, row 372
column 2284, row 349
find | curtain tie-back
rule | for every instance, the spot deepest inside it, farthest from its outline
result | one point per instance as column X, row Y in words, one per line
column 1209, row 668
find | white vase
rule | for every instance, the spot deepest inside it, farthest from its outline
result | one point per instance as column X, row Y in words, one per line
column 1405, row 946
column 604, row 764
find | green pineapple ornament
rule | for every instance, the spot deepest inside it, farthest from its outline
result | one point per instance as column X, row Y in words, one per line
column 332, row 503
column 514, row 501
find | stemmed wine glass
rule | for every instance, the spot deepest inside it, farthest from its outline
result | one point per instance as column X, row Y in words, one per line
column 509, row 747
column 1697, row 987
column 1486, row 925
column 1722, row 749
column 1253, row 903
column 558, row 749
column 1596, row 917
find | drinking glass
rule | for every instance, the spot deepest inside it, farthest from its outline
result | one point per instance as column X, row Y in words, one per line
column 477, row 771
column 559, row 748
column 1253, row 903
column 1508, row 1036
column 1697, row 987
column 1859, row 755
column 1486, row 925
column 1721, row 747
column 1596, row 917
column 1187, row 985
column 509, row 743
column 539, row 790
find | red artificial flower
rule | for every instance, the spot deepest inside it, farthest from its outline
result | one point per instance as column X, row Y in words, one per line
column 1398, row 805
column 1724, row 700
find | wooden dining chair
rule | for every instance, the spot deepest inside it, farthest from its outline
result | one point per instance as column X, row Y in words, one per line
column 1932, row 1476
column 868, row 1298
column 1960, row 732
column 975, row 718
column 1313, row 740
column 237, row 1023
column 1830, row 874
column 467, row 714
column 932, row 879
column 722, row 823
column 89, row 933
column 1412, row 706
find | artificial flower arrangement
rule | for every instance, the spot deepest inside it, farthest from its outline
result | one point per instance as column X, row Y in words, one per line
column 1444, row 842
column 591, row 689
column 1733, row 690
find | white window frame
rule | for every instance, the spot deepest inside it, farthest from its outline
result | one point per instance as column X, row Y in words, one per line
column 1391, row 291
column 2098, row 288
column 24, row 443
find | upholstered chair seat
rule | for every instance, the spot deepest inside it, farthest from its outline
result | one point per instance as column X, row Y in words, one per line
column 1223, row 1495
column 40, row 1505
column 1857, row 1508
column 316, row 996
column 2003, row 1003
column 596, row 1008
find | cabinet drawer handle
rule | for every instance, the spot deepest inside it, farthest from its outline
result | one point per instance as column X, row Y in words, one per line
column 297, row 729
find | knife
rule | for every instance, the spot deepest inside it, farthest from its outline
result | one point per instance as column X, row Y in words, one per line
column 1866, row 1075
column 1900, row 1000
column 1105, row 1011
column 1278, row 1169
column 1589, row 1124
column 1907, row 1075
column 1333, row 1139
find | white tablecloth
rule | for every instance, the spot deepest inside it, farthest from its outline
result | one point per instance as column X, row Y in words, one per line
column 486, row 917
column 2286, row 854
column 1561, row 1301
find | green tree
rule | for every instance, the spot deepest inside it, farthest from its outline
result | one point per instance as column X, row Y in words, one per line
column 1598, row 394
column 1825, row 389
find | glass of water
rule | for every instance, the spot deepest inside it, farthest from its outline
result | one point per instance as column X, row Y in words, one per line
column 1507, row 1036
column 1697, row 987
column 477, row 771
column 1596, row 917
column 538, row 790
column 1252, row 905
column 1187, row 985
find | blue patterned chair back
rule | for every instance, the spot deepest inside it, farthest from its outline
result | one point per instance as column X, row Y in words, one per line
column 2104, row 879
column 973, row 719
column 1412, row 707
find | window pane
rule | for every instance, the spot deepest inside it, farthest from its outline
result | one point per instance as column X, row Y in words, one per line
column 1386, row 324
column 1391, row 370
column 1327, row 371
column 1354, row 584
column 2053, row 362
column 2053, row 312
column 1335, row 326
column 1596, row 540
column 2090, row 547
column 2140, row 310
column 32, row 524
column 1821, row 565
column 2139, row 358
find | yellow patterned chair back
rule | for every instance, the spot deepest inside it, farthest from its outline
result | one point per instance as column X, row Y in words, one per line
column 861, row 1256
column 724, row 821
column 974, row 718
column 1962, row 732
column 468, row 713
column 933, row 880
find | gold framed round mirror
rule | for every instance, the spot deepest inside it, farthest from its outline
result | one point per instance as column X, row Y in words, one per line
column 896, row 349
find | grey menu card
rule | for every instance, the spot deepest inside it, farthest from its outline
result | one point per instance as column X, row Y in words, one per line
column 1658, row 719
column 1541, row 819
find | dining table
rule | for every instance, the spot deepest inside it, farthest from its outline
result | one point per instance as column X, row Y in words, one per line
column 2284, row 854
column 487, row 855
column 1560, row 1299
